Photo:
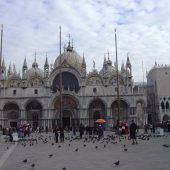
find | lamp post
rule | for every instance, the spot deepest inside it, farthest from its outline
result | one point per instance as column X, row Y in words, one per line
column 1, row 50
column 117, row 77
column 61, row 123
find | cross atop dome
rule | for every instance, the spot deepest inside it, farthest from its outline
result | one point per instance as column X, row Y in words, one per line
column 69, row 48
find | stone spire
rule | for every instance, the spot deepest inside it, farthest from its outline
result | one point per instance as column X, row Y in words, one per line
column 25, row 63
column 83, row 67
column 24, row 69
column 46, row 65
column 109, row 61
column 122, row 67
column 3, row 70
column 46, row 68
column 128, row 64
column 9, row 70
column 14, row 69
column 83, row 62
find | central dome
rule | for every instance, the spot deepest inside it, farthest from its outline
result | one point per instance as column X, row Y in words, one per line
column 35, row 71
column 70, row 56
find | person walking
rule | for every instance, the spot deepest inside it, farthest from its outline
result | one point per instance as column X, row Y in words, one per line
column 133, row 129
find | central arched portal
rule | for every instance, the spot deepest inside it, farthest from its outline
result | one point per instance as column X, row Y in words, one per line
column 34, row 113
column 69, row 116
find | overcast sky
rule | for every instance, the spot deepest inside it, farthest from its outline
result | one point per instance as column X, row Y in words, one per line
column 143, row 31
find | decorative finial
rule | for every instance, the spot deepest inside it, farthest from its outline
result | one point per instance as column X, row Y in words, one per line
column 108, row 55
column 93, row 65
column 72, row 44
column 35, row 55
column 69, row 39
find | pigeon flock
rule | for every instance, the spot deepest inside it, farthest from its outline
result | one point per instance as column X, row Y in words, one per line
column 87, row 142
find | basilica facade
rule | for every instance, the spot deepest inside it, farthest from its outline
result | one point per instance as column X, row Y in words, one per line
column 34, row 97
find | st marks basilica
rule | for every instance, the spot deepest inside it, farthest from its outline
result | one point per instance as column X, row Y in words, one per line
column 34, row 97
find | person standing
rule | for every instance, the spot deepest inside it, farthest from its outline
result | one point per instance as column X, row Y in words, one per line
column 46, row 129
column 62, row 134
column 133, row 129
column 56, row 134
column 81, row 130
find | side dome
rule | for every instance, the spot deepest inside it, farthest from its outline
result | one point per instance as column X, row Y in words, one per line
column 35, row 71
column 70, row 56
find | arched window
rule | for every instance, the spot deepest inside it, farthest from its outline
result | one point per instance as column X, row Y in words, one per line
column 167, row 105
column 162, row 106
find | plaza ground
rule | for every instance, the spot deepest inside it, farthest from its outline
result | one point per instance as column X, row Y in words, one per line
column 147, row 155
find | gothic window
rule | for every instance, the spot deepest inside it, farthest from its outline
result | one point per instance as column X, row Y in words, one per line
column 162, row 106
column 167, row 106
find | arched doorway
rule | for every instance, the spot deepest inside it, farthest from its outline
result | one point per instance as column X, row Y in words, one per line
column 34, row 112
column 11, row 113
column 66, row 118
column 97, row 110
column 69, row 115
column 165, row 118
column 124, row 109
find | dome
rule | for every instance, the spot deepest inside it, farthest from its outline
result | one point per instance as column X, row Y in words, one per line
column 35, row 71
column 109, row 71
column 71, row 57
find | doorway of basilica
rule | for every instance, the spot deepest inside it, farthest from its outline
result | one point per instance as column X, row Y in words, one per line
column 11, row 114
column 69, row 115
column 34, row 110
column 66, row 118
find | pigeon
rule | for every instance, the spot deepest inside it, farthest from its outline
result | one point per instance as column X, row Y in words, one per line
column 52, row 144
column 50, row 155
column 24, row 161
column 117, row 163
column 165, row 145
column 96, row 147
column 33, row 165
column 59, row 146
column 125, row 149
column 84, row 145
column 104, row 146
column 64, row 169
column 76, row 150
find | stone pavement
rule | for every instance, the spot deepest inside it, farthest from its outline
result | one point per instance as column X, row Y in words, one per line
column 147, row 155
